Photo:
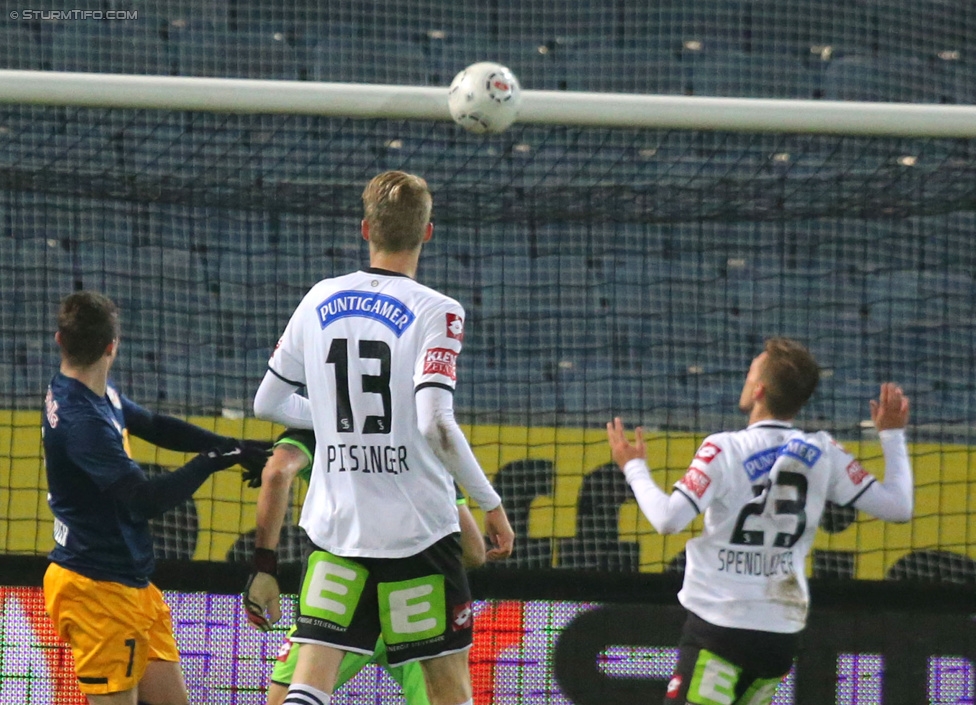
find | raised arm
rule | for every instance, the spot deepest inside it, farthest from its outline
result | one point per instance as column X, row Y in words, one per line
column 891, row 500
column 667, row 514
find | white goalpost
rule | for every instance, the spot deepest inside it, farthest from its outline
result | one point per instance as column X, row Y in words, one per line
column 369, row 101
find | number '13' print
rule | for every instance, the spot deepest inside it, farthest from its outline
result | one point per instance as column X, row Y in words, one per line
column 371, row 384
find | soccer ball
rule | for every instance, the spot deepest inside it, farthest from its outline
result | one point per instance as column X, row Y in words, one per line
column 484, row 98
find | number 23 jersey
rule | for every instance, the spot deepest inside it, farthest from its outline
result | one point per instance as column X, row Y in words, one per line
column 362, row 344
column 763, row 490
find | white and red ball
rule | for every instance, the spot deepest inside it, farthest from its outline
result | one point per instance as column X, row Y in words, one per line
column 485, row 98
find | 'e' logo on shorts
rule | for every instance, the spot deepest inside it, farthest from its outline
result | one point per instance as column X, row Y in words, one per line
column 332, row 588
column 412, row 610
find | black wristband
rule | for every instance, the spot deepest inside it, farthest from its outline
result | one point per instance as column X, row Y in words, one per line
column 266, row 561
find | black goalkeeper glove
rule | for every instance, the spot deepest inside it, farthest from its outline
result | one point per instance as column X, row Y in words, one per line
column 250, row 455
column 224, row 456
column 254, row 456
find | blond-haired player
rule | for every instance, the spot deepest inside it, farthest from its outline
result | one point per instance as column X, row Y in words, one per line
column 377, row 353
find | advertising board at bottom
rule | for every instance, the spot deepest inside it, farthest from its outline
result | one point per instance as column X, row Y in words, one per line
column 534, row 652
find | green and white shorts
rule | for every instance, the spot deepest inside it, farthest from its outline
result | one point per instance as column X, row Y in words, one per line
column 419, row 605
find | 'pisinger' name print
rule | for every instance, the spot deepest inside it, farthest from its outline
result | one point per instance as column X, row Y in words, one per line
column 366, row 459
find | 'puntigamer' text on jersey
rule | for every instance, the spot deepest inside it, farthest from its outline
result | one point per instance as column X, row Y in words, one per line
column 763, row 490
column 362, row 344
column 85, row 453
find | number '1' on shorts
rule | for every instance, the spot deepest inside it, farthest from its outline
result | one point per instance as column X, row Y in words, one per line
column 113, row 629
column 420, row 605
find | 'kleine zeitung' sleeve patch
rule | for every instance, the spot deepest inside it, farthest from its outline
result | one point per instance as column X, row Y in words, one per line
column 696, row 481
column 441, row 361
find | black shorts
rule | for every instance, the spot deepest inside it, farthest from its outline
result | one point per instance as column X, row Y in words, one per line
column 420, row 605
column 717, row 663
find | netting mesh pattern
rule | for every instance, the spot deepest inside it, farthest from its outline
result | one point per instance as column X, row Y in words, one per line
column 601, row 276
column 603, row 272
column 316, row 166
column 591, row 263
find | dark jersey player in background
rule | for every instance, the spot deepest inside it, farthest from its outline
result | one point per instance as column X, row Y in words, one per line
column 97, row 590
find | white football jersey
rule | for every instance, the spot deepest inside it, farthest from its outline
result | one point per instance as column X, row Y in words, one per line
column 362, row 344
column 763, row 491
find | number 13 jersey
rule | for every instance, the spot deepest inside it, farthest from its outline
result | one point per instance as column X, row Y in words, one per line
column 763, row 491
column 362, row 345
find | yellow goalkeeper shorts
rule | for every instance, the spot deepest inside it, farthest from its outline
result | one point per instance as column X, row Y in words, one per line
column 113, row 629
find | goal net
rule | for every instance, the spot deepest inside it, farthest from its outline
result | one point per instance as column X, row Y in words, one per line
column 604, row 272
column 628, row 272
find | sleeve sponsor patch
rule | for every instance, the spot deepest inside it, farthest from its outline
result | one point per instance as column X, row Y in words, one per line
column 707, row 452
column 441, row 361
column 856, row 472
column 696, row 482
column 455, row 327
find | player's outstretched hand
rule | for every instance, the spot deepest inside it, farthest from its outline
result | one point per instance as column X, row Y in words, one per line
column 262, row 600
column 500, row 534
column 254, row 456
column 621, row 449
column 891, row 408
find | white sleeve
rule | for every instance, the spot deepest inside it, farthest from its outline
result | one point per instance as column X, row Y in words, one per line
column 667, row 514
column 276, row 400
column 443, row 336
column 891, row 500
column 288, row 357
column 435, row 418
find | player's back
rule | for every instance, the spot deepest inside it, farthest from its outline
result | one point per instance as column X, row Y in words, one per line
column 369, row 340
column 85, row 451
column 763, row 490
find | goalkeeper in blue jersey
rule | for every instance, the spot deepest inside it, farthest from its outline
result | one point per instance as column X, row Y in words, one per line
column 292, row 456
column 97, row 589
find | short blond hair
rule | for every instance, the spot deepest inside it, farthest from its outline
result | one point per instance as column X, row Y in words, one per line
column 397, row 206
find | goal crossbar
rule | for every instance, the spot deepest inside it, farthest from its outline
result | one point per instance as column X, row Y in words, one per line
column 369, row 101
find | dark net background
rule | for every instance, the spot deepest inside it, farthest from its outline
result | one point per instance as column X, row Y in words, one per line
column 604, row 272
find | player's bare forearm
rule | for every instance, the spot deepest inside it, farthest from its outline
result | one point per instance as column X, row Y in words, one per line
column 280, row 471
column 499, row 533
column 472, row 544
